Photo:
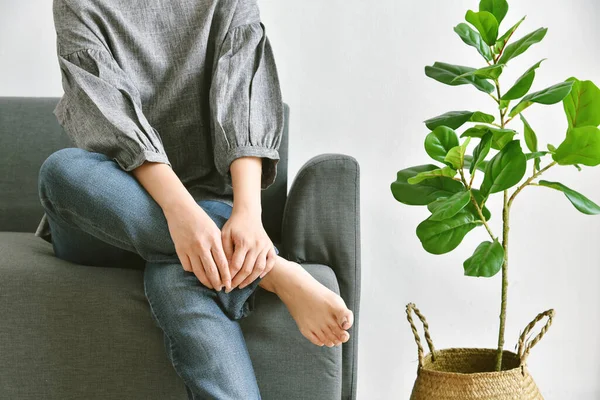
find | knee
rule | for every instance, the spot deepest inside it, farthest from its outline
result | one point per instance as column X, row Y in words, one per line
column 63, row 167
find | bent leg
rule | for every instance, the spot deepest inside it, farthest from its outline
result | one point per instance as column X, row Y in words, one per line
column 89, row 191
column 206, row 348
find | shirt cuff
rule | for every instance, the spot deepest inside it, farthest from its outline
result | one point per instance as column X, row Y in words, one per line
column 145, row 155
column 270, row 158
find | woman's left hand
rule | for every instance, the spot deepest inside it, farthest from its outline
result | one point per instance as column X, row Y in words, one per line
column 248, row 248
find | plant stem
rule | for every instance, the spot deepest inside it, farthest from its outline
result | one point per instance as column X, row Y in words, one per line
column 505, row 229
column 474, row 201
column 528, row 181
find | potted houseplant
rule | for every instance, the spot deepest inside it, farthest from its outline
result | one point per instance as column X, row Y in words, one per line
column 503, row 159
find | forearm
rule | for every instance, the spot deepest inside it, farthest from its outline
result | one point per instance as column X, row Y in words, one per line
column 246, row 180
column 163, row 185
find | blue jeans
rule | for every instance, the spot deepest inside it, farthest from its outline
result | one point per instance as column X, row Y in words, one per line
column 100, row 215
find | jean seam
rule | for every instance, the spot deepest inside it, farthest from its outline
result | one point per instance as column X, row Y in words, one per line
column 125, row 245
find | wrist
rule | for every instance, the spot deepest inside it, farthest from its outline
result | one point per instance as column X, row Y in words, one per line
column 248, row 208
column 175, row 205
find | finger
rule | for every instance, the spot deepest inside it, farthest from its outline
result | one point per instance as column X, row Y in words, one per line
column 237, row 261
column 246, row 270
column 259, row 267
column 271, row 260
column 185, row 262
column 211, row 269
column 222, row 265
column 198, row 270
column 227, row 243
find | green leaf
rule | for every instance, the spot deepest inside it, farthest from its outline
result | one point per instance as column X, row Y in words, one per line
column 520, row 46
column 551, row 148
column 523, row 84
column 499, row 8
column 473, row 38
column 445, row 208
column 581, row 146
column 550, row 95
column 535, row 155
column 582, row 105
column 440, row 172
column 469, row 160
column 481, row 151
column 471, row 207
column 439, row 142
column 425, row 192
column 490, row 72
column 439, row 237
column 501, row 43
column 486, row 24
column 578, row 200
column 445, row 73
column 456, row 119
column 456, row 155
column 530, row 136
column 486, row 261
column 500, row 137
column 505, row 169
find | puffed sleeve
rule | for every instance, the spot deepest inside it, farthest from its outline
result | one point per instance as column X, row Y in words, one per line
column 245, row 100
column 101, row 109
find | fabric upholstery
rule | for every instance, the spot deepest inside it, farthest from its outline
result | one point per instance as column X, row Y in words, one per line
column 321, row 224
column 72, row 332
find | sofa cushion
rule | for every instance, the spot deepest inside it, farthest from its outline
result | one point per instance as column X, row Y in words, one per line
column 70, row 331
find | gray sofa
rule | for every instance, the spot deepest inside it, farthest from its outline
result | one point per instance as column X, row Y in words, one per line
column 69, row 331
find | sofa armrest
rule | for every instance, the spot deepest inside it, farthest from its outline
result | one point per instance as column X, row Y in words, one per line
column 321, row 224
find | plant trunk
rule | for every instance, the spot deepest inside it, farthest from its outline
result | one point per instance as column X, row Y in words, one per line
column 505, row 218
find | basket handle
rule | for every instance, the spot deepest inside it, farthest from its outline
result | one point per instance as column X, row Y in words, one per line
column 412, row 308
column 525, row 348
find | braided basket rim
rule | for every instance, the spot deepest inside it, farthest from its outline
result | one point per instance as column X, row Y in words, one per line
column 520, row 369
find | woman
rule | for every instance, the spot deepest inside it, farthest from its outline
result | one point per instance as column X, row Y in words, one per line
column 176, row 111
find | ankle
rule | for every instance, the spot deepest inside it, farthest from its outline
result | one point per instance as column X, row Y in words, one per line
column 271, row 282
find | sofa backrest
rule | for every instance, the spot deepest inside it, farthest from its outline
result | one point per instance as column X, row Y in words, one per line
column 29, row 133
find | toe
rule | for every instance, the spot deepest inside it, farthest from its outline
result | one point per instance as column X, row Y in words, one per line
column 332, row 336
column 328, row 337
column 345, row 319
column 312, row 337
column 320, row 338
column 340, row 334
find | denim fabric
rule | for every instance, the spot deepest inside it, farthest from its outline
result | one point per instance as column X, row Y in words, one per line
column 100, row 215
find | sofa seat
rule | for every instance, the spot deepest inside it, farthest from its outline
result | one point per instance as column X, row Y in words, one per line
column 86, row 332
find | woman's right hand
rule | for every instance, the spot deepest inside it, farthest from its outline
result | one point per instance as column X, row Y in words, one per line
column 198, row 244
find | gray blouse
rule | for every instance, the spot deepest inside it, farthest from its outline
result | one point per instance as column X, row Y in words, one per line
column 189, row 83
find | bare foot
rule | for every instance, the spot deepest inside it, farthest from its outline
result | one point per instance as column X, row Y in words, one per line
column 321, row 314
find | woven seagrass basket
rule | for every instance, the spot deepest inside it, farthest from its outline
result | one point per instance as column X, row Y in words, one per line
column 470, row 374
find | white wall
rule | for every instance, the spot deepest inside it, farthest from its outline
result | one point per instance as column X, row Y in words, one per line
column 352, row 73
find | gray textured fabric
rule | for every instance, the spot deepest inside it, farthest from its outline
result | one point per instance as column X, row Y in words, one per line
column 190, row 84
column 321, row 224
column 29, row 133
column 72, row 332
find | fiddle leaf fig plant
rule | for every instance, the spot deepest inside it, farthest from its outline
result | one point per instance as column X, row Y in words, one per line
column 505, row 158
